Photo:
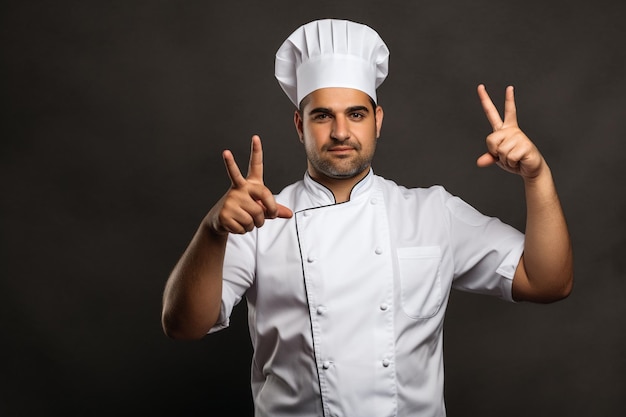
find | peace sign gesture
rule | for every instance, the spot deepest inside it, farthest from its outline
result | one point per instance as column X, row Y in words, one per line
column 508, row 147
column 248, row 202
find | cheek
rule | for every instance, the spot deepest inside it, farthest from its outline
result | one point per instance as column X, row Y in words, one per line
column 315, row 136
column 369, row 137
column 309, row 143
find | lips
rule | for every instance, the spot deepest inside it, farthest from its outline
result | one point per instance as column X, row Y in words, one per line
column 340, row 149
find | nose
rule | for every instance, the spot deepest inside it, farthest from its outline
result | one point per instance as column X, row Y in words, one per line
column 341, row 129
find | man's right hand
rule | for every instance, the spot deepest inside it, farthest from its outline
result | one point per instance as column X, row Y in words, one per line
column 248, row 202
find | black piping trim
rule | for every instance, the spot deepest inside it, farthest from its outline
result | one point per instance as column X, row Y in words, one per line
column 306, row 294
column 333, row 194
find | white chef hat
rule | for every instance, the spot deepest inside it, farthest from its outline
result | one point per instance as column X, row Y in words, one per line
column 331, row 53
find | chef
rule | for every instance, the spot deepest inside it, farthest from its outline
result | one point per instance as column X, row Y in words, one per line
column 346, row 274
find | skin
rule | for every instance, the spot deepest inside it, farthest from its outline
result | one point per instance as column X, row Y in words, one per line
column 545, row 273
column 193, row 292
column 339, row 129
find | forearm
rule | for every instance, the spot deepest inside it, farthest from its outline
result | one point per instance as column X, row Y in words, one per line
column 193, row 293
column 546, row 270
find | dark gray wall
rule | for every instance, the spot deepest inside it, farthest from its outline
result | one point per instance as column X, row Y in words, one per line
column 114, row 118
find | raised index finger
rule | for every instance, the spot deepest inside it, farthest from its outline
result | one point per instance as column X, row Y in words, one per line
column 255, row 168
column 490, row 109
column 234, row 173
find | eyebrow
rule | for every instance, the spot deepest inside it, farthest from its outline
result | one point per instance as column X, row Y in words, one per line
column 330, row 111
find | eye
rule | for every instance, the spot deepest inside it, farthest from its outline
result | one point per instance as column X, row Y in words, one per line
column 357, row 115
column 321, row 116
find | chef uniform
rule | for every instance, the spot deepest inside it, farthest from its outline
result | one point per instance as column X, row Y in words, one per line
column 346, row 301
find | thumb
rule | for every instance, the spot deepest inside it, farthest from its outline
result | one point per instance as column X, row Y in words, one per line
column 283, row 212
column 486, row 160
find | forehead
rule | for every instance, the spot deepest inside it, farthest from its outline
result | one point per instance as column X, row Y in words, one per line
column 335, row 98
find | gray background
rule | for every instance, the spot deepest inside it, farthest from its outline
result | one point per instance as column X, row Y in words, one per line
column 114, row 118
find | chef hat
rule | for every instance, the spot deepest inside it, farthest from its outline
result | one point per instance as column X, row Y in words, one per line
column 331, row 53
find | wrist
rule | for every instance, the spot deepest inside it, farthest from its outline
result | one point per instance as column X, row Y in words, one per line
column 539, row 175
column 212, row 228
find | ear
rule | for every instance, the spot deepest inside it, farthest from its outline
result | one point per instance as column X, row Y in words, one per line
column 379, row 120
column 298, row 122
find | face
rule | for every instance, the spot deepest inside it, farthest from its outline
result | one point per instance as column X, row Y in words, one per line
column 339, row 129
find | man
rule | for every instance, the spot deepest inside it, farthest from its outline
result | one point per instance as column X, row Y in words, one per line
column 346, row 274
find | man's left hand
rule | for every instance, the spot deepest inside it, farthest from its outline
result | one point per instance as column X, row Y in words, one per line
column 508, row 147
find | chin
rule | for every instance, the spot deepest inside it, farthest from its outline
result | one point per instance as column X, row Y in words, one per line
column 345, row 174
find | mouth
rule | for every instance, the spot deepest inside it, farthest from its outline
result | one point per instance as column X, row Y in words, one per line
column 341, row 149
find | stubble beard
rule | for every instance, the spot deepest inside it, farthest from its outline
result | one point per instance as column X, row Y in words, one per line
column 340, row 167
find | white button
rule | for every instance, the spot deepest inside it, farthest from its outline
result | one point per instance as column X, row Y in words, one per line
column 306, row 213
column 310, row 259
column 384, row 306
column 386, row 362
column 321, row 310
column 326, row 365
column 373, row 201
column 378, row 250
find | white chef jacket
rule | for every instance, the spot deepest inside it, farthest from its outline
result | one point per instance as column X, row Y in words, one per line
column 346, row 301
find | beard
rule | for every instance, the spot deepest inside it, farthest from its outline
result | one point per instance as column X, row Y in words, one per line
column 340, row 167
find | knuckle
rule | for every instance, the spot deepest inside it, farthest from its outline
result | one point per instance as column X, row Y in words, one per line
column 232, row 227
column 223, row 219
column 259, row 221
column 255, row 209
column 266, row 193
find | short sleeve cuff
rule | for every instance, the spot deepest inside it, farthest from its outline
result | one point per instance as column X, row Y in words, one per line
column 507, row 270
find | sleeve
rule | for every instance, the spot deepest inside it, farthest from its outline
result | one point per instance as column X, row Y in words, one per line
column 238, row 274
column 485, row 250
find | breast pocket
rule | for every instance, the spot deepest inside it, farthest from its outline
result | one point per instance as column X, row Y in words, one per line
column 420, row 281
